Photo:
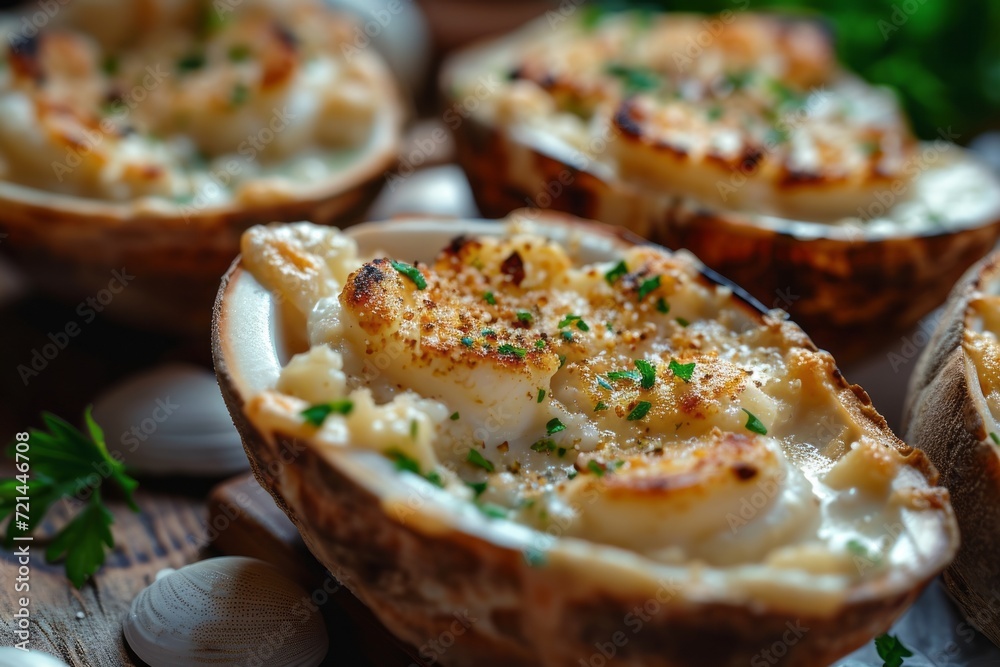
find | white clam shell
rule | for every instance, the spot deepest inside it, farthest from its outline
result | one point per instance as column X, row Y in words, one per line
column 171, row 419
column 226, row 611
column 12, row 657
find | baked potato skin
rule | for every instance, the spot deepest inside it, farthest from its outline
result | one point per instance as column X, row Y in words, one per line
column 530, row 616
column 850, row 296
column 176, row 260
column 942, row 418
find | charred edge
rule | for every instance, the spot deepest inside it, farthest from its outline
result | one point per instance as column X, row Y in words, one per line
column 366, row 280
column 625, row 121
column 456, row 245
column 513, row 267
column 745, row 471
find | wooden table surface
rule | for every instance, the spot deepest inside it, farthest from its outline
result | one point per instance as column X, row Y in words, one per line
column 83, row 627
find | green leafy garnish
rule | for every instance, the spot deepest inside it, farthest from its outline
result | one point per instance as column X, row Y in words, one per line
column 492, row 511
column 467, row 342
column 601, row 405
column 662, row 306
column 541, row 395
column 454, row 416
column 239, row 52
column 489, row 333
column 603, row 383
column 540, row 344
column 596, row 468
column 477, row 487
column 413, row 429
column 489, row 298
column 411, row 272
column 475, row 458
column 682, row 371
column 544, row 445
column 524, row 316
column 634, row 78
column 554, row 426
column 891, row 650
column 562, row 360
column 681, row 321
column 518, row 352
column 618, row 271
column 570, row 319
column 754, row 424
column 639, row 411
column 648, row 286
column 404, row 461
column 191, row 62
column 995, row 438
column 647, row 372
column 63, row 462
column 614, row 376
column 317, row 414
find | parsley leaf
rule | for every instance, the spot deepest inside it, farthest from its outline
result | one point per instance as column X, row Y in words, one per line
column 681, row 321
column 993, row 436
column 662, row 306
column 620, row 270
column 647, row 371
column 404, row 461
column 570, row 319
column 541, row 395
column 639, row 411
column 596, row 468
column 507, row 348
column 63, row 463
column 477, row 487
column 489, row 298
column 467, row 341
column 891, row 650
column 317, row 414
column 454, row 416
column 601, row 405
column 614, row 376
column 524, row 316
column 754, row 424
column 475, row 458
column 634, row 78
column 411, row 272
column 648, row 286
column 554, row 426
column 603, row 383
column 544, row 445
column 682, row 371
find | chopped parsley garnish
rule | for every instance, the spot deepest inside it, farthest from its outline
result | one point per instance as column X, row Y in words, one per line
column 647, row 373
column 544, row 445
column 891, row 650
column 601, row 405
column 570, row 319
column 614, row 376
column 507, row 348
column 475, row 458
column 477, row 487
column 567, row 336
column 682, row 371
column 541, row 395
column 191, row 62
column 466, row 341
column 562, row 360
column 571, row 474
column 681, row 321
column 489, row 298
column 455, row 416
column 618, row 271
column 540, row 343
column 554, row 426
column 604, row 384
column 524, row 316
column 995, row 438
column 634, row 78
column 414, row 426
column 317, row 414
column 434, row 479
column 492, row 511
column 110, row 64
column 411, row 272
column 489, row 333
column 403, row 461
column 662, row 306
column 240, row 95
column 596, row 468
column 648, row 286
column 610, row 326
column 754, row 424
column 639, row 411
column 239, row 52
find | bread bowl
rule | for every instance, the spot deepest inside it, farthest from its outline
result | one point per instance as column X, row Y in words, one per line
column 951, row 412
column 457, row 478
column 740, row 138
column 149, row 135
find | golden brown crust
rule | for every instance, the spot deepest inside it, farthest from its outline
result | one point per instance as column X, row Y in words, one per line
column 824, row 283
column 943, row 418
column 526, row 615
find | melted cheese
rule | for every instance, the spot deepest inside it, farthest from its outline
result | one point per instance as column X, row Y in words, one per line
column 194, row 102
column 737, row 112
column 511, row 380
